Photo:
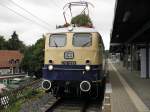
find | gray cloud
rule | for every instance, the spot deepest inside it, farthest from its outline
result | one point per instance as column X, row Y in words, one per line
column 8, row 16
column 51, row 12
column 39, row 2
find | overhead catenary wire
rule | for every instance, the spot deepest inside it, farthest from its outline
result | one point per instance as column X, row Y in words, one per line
column 46, row 23
column 24, row 16
column 55, row 4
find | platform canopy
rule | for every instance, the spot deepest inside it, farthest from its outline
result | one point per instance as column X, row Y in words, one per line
column 131, row 24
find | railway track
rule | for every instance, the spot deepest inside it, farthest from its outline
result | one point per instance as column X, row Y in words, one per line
column 75, row 105
column 102, row 104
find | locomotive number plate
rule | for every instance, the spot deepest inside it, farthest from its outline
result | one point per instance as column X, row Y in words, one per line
column 69, row 55
column 69, row 62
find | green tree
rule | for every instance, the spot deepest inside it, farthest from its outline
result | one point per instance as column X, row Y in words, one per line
column 15, row 44
column 27, row 60
column 81, row 20
column 34, row 58
column 38, row 57
column 3, row 43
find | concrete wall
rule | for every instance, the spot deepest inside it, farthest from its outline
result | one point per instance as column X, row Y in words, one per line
column 7, row 71
column 4, row 71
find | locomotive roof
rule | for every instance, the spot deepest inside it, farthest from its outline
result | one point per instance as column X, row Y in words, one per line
column 75, row 29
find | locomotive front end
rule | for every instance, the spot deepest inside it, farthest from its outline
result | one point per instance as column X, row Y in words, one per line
column 73, row 62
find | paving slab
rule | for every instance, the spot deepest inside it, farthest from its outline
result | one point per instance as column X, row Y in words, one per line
column 140, row 85
column 121, row 101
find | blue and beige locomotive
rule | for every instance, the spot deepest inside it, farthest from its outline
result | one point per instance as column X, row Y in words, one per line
column 74, row 62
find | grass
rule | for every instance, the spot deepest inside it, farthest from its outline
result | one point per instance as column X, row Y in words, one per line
column 28, row 95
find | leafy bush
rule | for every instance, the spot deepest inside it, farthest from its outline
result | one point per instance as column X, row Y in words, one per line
column 81, row 20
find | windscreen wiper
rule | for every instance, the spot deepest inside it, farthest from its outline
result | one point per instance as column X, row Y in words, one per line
column 55, row 44
column 86, row 44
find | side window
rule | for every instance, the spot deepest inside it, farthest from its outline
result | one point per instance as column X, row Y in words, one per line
column 57, row 40
column 82, row 40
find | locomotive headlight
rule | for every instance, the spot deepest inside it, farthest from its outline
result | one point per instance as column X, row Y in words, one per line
column 70, row 28
column 50, row 67
column 87, row 67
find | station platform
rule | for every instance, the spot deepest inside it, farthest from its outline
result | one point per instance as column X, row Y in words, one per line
column 130, row 93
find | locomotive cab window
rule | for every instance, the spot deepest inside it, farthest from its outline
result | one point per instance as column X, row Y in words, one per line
column 82, row 40
column 57, row 40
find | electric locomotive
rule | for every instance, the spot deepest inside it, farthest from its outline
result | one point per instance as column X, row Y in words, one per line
column 74, row 62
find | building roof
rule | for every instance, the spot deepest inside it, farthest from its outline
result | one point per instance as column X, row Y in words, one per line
column 131, row 23
column 9, row 58
column 75, row 29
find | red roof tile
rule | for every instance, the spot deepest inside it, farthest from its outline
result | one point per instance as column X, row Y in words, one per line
column 7, row 55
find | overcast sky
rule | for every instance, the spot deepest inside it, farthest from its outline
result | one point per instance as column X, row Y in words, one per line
column 29, row 28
